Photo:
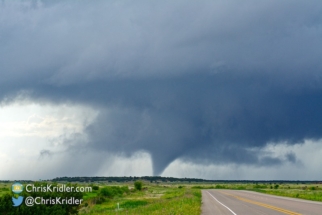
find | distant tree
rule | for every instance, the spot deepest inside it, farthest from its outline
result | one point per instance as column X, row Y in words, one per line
column 138, row 185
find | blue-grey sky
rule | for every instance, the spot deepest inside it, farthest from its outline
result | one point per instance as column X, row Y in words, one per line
column 176, row 88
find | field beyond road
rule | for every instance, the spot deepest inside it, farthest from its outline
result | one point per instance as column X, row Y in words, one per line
column 240, row 202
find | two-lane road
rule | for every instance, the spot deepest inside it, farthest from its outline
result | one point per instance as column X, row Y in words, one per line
column 238, row 202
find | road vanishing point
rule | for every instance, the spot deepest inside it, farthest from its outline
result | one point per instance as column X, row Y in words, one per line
column 241, row 202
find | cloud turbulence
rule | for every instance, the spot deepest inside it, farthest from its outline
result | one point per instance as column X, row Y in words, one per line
column 210, row 82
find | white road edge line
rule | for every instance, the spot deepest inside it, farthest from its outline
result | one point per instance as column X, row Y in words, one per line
column 222, row 204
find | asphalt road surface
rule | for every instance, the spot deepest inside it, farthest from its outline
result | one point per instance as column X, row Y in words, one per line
column 239, row 202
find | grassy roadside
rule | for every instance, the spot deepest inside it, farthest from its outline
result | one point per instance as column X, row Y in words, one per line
column 311, row 192
column 153, row 200
column 315, row 195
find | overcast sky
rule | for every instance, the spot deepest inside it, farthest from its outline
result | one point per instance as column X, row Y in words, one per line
column 219, row 89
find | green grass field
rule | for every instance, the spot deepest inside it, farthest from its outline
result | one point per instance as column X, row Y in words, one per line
column 163, row 199
column 302, row 191
column 4, row 188
column 314, row 195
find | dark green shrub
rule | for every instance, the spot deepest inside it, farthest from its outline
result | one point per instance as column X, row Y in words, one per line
column 312, row 188
column 95, row 187
column 218, row 186
column 112, row 191
column 107, row 192
column 138, row 185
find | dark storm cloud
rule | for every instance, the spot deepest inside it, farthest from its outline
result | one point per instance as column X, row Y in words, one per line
column 220, row 117
column 208, row 82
